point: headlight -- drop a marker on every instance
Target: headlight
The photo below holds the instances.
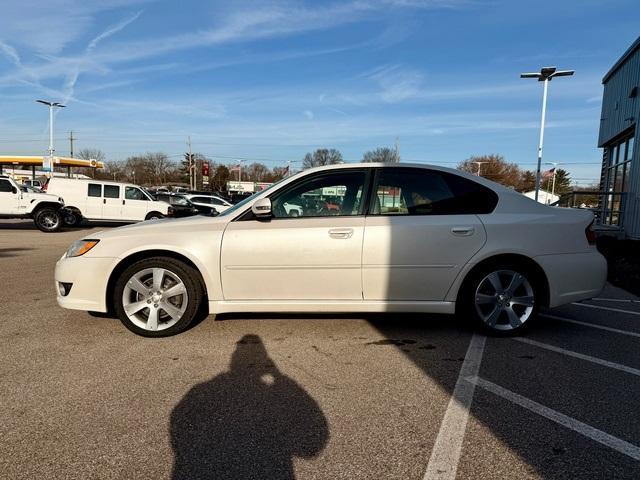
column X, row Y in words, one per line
column 81, row 247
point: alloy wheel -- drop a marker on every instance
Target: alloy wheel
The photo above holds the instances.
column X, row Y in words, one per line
column 504, row 300
column 154, row 299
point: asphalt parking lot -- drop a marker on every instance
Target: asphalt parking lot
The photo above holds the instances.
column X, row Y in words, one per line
column 309, row 397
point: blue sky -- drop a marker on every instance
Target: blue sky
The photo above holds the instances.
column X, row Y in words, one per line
column 271, row 80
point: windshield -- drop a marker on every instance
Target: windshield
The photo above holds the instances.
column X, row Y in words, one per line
column 250, row 198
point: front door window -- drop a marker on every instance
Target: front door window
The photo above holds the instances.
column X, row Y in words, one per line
column 328, row 194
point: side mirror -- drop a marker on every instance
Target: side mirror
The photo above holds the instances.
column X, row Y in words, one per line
column 14, row 189
column 262, row 208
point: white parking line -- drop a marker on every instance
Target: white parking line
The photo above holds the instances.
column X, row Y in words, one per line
column 599, row 361
column 619, row 310
column 588, row 431
column 622, row 300
column 445, row 455
column 591, row 325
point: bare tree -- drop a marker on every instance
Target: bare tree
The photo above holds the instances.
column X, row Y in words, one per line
column 256, row 172
column 322, row 156
column 384, row 154
column 91, row 154
column 494, row 167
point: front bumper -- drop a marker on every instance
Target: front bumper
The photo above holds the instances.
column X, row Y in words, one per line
column 574, row 277
column 89, row 277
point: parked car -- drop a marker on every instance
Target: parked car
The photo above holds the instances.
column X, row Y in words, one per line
column 45, row 210
column 182, row 207
column 210, row 201
column 239, row 197
column 292, row 209
column 447, row 242
column 33, row 183
column 28, row 189
column 105, row 201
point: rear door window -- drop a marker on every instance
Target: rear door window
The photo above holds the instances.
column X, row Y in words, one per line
column 111, row 191
column 414, row 191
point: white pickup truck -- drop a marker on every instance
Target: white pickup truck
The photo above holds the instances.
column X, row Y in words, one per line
column 46, row 210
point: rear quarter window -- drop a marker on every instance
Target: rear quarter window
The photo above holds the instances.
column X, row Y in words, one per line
column 469, row 197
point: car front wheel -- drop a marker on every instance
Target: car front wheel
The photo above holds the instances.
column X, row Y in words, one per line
column 501, row 300
column 157, row 297
column 48, row 219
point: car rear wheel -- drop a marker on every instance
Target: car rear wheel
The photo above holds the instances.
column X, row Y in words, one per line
column 502, row 300
column 71, row 219
column 157, row 297
column 154, row 216
column 48, row 219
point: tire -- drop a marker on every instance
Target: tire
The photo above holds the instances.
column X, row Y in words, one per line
column 71, row 219
column 294, row 213
column 48, row 219
column 140, row 288
column 501, row 300
column 154, row 216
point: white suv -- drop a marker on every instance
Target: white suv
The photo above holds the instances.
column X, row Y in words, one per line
column 105, row 201
column 46, row 210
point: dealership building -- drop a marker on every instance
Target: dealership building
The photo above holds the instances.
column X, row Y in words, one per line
column 619, row 131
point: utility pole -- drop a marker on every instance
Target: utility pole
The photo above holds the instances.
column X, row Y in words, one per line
column 71, row 139
column 240, row 170
column 191, row 182
column 397, row 149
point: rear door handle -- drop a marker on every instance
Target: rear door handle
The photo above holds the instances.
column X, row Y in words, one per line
column 341, row 233
column 463, row 231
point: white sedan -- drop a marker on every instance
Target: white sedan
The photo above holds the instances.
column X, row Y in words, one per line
column 404, row 238
column 203, row 200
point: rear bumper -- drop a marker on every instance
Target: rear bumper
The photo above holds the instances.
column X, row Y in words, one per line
column 574, row 277
column 89, row 278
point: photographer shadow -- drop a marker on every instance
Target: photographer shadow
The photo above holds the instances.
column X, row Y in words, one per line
column 246, row 423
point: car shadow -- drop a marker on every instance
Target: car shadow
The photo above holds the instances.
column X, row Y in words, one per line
column 248, row 422
column 13, row 252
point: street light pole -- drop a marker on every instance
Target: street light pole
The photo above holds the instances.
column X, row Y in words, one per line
column 51, row 106
column 479, row 165
column 545, row 75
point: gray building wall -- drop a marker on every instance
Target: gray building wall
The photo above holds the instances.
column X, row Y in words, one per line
column 620, row 115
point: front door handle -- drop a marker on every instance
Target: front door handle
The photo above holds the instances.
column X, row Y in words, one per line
column 463, row 231
column 341, row 233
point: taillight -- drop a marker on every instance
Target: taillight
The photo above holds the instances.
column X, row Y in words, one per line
column 590, row 234
column 44, row 187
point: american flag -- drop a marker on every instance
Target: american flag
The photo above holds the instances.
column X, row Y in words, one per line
column 548, row 174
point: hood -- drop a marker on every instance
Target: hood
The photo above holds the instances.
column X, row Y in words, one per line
column 41, row 197
column 193, row 224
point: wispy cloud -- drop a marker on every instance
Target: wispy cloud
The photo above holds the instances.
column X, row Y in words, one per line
column 11, row 53
column 269, row 21
column 397, row 83
column 50, row 26
column 72, row 79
